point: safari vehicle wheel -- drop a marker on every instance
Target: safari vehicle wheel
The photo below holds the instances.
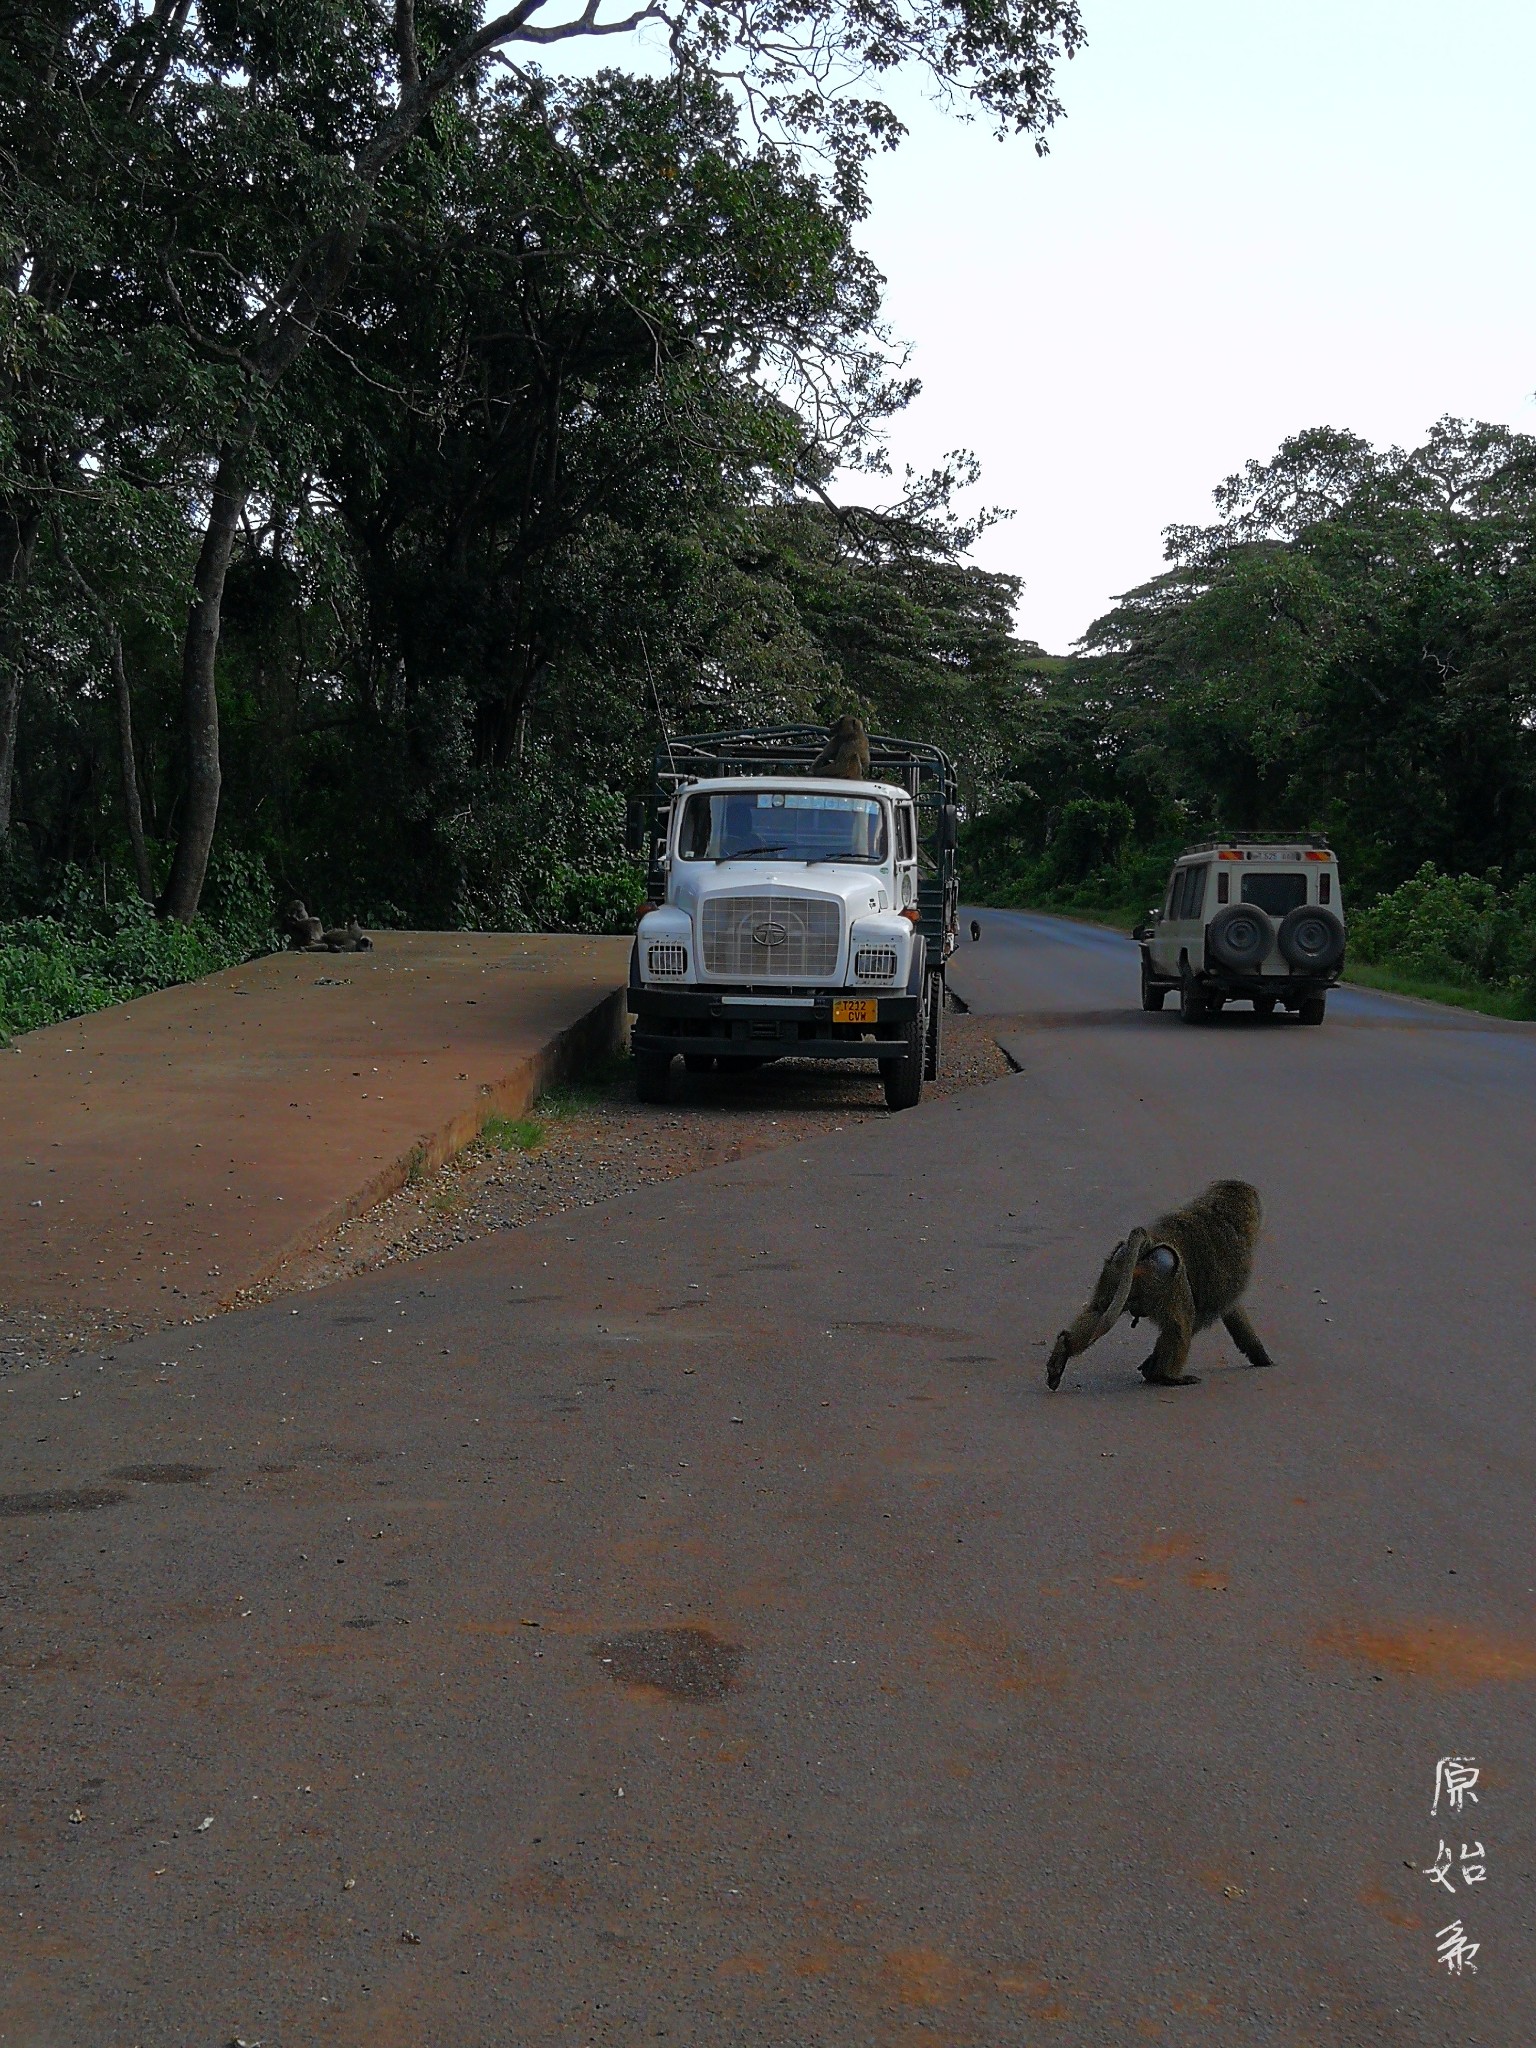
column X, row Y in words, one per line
column 1311, row 938
column 1313, row 1010
column 1263, row 1006
column 903, row 1077
column 1151, row 995
column 1239, row 937
column 1192, row 1007
column 653, row 1073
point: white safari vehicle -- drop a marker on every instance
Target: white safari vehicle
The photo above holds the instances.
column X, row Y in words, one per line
column 1257, row 918
column 794, row 915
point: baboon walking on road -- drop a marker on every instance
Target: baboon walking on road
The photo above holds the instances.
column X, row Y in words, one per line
column 1182, row 1272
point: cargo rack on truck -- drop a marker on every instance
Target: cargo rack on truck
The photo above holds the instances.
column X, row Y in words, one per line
column 926, row 773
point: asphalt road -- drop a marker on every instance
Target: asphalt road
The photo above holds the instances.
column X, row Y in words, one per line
column 1101, row 1717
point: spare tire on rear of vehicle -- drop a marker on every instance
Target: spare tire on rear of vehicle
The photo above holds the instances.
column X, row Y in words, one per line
column 1312, row 939
column 1239, row 937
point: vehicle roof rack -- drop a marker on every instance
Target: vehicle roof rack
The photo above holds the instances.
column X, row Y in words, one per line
column 1255, row 839
column 925, row 771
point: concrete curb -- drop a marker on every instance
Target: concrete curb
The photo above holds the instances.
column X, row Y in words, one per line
column 601, row 1031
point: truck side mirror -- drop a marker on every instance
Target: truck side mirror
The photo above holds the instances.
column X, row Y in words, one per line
column 637, row 827
column 949, row 828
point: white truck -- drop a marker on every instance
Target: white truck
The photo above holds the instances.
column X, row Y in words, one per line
column 794, row 915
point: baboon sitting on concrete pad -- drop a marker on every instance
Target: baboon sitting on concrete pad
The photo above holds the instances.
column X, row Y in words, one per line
column 1182, row 1272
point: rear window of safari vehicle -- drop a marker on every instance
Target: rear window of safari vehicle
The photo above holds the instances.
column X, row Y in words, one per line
column 1275, row 893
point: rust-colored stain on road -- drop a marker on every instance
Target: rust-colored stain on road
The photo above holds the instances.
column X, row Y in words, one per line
column 1445, row 1653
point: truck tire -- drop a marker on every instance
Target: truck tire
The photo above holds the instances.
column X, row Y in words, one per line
column 653, row 1074
column 903, row 1077
column 1239, row 937
column 1152, row 993
column 933, row 1043
column 1311, row 939
column 1312, row 1010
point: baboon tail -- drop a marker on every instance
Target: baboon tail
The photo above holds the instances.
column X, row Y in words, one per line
column 1103, row 1311
column 1134, row 1246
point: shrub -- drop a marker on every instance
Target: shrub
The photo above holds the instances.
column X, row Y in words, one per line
column 1091, row 834
column 85, row 953
column 1463, row 930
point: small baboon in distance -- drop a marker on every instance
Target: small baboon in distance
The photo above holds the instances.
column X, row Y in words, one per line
column 847, row 750
column 975, row 929
column 1181, row 1272
column 302, row 929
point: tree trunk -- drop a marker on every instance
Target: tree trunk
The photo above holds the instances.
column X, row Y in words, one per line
column 130, row 768
column 199, row 691
column 10, row 711
column 18, row 536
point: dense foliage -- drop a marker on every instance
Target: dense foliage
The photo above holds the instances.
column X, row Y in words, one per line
column 390, row 434
column 1348, row 649
column 86, row 950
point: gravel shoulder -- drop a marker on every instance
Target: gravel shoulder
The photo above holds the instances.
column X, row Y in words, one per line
column 583, row 1144
column 586, row 1144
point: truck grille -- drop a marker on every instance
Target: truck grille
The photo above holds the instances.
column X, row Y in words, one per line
column 778, row 938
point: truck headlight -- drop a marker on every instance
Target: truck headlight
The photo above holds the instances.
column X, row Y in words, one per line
column 666, row 957
column 876, row 963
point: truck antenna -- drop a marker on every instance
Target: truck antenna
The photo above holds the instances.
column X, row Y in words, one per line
column 666, row 737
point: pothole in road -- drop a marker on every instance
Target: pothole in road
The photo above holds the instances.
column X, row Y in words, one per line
column 684, row 1663
column 63, row 1500
column 164, row 1475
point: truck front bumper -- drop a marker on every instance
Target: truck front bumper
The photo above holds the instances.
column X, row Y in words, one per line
column 784, row 1024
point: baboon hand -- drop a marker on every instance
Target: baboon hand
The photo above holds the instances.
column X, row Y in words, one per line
column 1056, row 1365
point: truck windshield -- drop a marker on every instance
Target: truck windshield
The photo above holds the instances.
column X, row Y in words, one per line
column 781, row 824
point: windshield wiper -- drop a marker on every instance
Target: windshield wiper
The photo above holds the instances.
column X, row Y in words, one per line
column 749, row 853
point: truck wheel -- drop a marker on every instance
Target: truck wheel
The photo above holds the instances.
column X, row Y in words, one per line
column 933, row 1047
column 699, row 1062
column 653, row 1073
column 1151, row 995
column 903, row 1077
column 1312, row 1010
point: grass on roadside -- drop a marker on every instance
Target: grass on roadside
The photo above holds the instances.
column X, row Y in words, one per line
column 512, row 1133
column 606, row 1080
column 1488, row 1002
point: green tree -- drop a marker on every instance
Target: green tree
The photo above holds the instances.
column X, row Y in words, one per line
column 214, row 177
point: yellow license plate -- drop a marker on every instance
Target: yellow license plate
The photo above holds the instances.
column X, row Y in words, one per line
column 855, row 1010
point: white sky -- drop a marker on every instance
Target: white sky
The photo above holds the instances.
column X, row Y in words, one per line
column 1257, row 216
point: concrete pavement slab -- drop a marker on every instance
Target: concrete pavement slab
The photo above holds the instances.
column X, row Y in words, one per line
column 161, row 1157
